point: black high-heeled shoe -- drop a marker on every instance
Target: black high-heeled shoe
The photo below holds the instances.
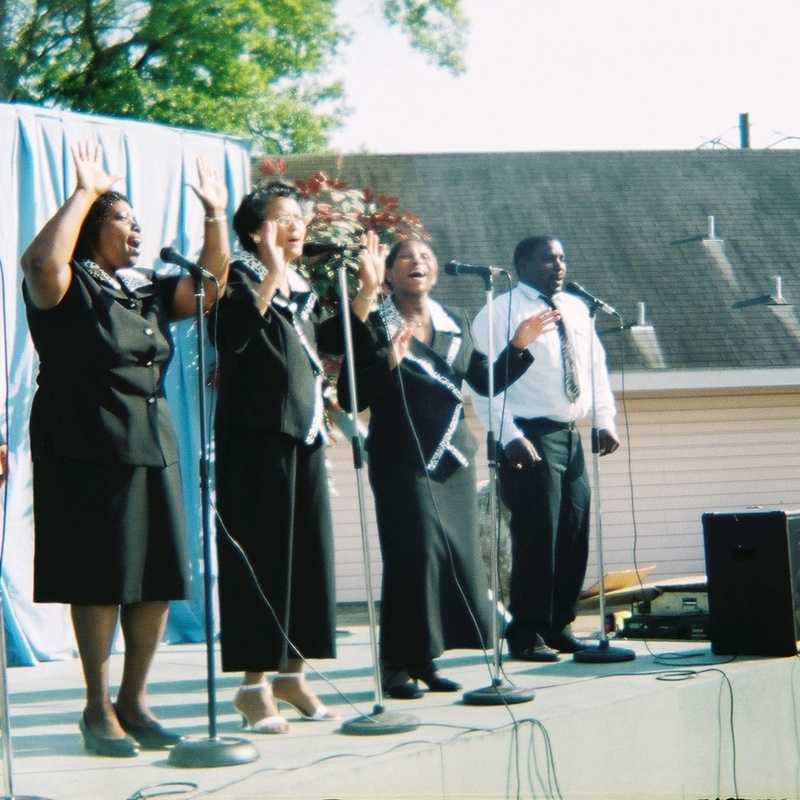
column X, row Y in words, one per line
column 429, row 675
column 397, row 685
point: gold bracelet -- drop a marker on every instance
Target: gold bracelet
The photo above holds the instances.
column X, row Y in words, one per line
column 220, row 218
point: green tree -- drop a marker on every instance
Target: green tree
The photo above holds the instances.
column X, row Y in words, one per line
column 253, row 67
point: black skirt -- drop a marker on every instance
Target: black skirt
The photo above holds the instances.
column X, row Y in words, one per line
column 272, row 494
column 108, row 534
column 434, row 594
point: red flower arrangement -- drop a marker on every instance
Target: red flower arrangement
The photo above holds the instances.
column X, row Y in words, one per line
column 339, row 214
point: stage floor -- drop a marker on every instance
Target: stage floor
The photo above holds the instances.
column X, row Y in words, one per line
column 660, row 726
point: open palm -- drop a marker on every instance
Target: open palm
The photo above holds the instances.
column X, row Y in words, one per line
column 210, row 188
column 92, row 176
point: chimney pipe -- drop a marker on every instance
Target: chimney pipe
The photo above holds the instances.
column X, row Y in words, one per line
column 711, row 227
column 744, row 131
column 641, row 315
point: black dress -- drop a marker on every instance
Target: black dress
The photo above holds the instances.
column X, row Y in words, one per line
column 107, row 502
column 271, row 480
column 434, row 594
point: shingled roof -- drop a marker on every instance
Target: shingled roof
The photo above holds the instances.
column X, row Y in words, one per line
column 635, row 229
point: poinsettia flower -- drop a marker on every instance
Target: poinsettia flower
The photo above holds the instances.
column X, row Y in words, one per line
column 281, row 166
column 267, row 167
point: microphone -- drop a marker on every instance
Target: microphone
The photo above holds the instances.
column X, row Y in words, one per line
column 457, row 268
column 579, row 291
column 312, row 249
column 171, row 256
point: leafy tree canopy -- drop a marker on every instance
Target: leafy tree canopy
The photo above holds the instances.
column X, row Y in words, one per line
column 255, row 67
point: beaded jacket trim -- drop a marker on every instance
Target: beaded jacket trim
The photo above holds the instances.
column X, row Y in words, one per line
column 297, row 283
column 131, row 278
column 443, row 322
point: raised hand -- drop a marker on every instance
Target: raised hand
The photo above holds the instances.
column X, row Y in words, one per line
column 534, row 326
column 371, row 263
column 92, row 177
column 271, row 254
column 401, row 342
column 210, row 188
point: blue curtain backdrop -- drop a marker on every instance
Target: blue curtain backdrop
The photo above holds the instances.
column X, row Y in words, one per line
column 36, row 176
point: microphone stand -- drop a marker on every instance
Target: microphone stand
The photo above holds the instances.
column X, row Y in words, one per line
column 215, row 750
column 602, row 652
column 380, row 721
column 499, row 692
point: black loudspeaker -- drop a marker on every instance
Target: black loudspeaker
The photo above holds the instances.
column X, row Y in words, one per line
column 752, row 563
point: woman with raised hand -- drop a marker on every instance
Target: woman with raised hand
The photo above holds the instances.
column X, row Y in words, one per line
column 272, row 485
column 107, row 502
column 411, row 364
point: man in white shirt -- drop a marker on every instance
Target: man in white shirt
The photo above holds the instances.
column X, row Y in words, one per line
column 542, row 471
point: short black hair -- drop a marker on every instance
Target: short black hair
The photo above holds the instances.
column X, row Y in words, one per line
column 395, row 250
column 523, row 252
column 89, row 234
column 252, row 211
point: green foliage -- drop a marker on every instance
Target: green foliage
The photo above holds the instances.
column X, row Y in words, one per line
column 252, row 67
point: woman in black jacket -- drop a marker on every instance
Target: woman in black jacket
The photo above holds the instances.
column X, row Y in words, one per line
column 107, row 501
column 413, row 356
column 272, row 484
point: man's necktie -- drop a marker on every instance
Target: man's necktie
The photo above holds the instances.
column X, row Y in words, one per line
column 571, row 388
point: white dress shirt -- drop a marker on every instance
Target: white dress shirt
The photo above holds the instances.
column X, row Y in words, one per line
column 540, row 391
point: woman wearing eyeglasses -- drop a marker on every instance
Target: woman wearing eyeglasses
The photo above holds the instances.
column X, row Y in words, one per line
column 272, row 485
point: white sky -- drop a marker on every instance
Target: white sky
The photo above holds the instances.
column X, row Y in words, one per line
column 578, row 75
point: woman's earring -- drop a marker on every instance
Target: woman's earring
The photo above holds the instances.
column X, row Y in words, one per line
column 256, row 238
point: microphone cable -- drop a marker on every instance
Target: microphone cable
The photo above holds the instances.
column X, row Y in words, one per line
column 445, row 539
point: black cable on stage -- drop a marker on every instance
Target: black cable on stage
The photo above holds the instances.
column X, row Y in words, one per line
column 668, row 659
column 463, row 730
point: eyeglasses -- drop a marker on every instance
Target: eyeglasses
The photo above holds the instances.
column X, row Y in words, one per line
column 285, row 220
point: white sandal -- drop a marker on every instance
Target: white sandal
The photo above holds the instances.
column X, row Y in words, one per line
column 275, row 723
column 320, row 713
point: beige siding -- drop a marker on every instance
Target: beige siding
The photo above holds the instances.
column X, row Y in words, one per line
column 689, row 454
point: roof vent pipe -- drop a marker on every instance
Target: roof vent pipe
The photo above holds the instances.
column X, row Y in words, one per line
column 712, row 234
column 641, row 317
column 744, row 131
column 777, row 294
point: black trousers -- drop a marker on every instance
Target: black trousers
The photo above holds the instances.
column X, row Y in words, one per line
column 549, row 506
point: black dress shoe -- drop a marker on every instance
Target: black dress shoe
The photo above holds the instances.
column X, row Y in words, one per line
column 107, row 745
column 432, row 679
column 396, row 684
column 565, row 642
column 538, row 650
column 152, row 736
column 404, row 691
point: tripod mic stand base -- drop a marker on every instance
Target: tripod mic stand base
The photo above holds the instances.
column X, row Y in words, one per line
column 499, row 693
column 221, row 751
column 602, row 653
column 379, row 723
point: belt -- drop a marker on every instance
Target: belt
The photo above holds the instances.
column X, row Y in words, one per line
column 543, row 423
